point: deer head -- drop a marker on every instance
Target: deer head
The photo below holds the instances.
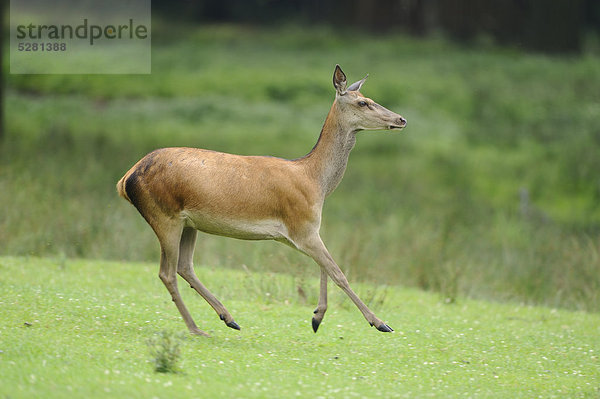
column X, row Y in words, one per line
column 360, row 112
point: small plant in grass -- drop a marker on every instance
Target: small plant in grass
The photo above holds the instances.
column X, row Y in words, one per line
column 165, row 352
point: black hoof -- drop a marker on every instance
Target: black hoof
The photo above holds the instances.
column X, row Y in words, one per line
column 385, row 328
column 315, row 324
column 231, row 324
column 234, row 325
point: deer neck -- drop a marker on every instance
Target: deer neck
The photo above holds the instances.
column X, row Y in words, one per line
column 328, row 159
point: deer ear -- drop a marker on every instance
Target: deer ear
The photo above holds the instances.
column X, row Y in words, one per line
column 339, row 81
column 357, row 85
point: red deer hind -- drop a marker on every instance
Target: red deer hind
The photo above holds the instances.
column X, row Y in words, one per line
column 181, row 190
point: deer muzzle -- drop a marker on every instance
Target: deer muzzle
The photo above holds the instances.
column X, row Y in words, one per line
column 398, row 123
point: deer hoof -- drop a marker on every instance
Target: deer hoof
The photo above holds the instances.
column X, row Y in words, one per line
column 230, row 324
column 197, row 331
column 315, row 324
column 384, row 328
column 234, row 325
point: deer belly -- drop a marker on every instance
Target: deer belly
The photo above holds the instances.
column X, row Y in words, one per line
column 262, row 229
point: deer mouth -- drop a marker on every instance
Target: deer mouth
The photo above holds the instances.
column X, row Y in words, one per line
column 400, row 123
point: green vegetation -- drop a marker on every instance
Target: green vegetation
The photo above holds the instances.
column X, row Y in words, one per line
column 165, row 352
column 74, row 328
column 491, row 192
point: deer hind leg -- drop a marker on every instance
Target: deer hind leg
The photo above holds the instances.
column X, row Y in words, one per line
column 169, row 238
column 322, row 305
column 185, row 268
column 313, row 246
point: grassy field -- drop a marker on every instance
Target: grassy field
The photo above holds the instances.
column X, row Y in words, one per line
column 491, row 192
column 81, row 329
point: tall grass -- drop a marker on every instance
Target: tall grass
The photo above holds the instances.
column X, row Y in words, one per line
column 437, row 206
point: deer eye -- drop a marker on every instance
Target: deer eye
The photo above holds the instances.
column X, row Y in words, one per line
column 362, row 103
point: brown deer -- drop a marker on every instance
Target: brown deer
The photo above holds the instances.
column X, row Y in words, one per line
column 181, row 190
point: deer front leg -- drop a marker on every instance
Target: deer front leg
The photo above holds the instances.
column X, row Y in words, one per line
column 315, row 248
column 322, row 305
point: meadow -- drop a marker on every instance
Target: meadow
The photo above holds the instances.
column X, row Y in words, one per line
column 81, row 328
column 491, row 192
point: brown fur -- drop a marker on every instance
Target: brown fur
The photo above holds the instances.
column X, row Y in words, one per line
column 220, row 185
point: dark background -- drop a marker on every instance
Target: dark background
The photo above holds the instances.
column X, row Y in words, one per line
column 549, row 26
column 558, row 26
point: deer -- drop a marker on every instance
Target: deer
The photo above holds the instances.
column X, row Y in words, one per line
column 180, row 191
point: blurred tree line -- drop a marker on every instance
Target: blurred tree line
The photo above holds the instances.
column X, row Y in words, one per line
column 555, row 26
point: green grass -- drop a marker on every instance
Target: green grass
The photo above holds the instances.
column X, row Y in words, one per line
column 435, row 207
column 165, row 352
column 75, row 328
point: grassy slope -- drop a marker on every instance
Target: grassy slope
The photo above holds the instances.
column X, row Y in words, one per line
column 90, row 321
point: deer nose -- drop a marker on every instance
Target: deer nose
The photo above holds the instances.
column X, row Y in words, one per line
column 401, row 122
